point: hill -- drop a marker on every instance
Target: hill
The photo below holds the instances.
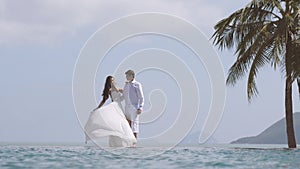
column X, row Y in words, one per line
column 275, row 134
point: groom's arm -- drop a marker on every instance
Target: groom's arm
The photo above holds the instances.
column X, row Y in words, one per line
column 140, row 96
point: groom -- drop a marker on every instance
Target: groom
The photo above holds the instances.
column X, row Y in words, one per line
column 134, row 101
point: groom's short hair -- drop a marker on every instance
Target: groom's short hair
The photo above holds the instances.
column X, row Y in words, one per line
column 130, row 72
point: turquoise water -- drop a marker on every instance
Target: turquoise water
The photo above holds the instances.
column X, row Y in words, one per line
column 218, row 156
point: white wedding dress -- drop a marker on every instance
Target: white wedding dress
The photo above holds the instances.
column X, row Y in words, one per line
column 110, row 121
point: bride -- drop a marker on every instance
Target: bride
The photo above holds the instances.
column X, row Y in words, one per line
column 110, row 120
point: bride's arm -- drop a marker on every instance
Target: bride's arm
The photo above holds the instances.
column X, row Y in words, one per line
column 121, row 95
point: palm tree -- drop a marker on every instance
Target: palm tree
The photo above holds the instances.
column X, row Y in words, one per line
column 264, row 32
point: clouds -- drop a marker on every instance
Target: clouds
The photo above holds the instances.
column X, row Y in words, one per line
column 36, row 21
column 50, row 21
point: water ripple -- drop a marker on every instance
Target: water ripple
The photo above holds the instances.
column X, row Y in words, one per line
column 180, row 157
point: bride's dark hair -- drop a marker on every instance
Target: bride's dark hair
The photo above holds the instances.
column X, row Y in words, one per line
column 106, row 90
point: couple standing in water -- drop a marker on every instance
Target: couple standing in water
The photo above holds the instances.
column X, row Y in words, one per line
column 120, row 125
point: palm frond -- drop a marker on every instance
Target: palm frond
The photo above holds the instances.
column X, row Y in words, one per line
column 295, row 61
column 263, row 57
column 260, row 33
column 231, row 30
column 245, row 56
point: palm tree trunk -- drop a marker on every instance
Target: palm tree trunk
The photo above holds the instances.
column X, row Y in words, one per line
column 298, row 81
column 288, row 96
column 289, row 114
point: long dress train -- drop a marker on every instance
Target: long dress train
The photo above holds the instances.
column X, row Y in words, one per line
column 110, row 121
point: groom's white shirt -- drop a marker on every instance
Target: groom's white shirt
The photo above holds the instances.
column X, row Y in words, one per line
column 133, row 94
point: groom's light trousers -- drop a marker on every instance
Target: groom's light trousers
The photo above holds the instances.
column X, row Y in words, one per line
column 131, row 114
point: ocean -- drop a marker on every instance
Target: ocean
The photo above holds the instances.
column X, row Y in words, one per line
column 192, row 156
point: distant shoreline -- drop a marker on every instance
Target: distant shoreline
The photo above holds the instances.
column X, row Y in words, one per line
column 275, row 134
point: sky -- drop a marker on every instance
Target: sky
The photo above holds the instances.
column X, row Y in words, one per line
column 40, row 42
